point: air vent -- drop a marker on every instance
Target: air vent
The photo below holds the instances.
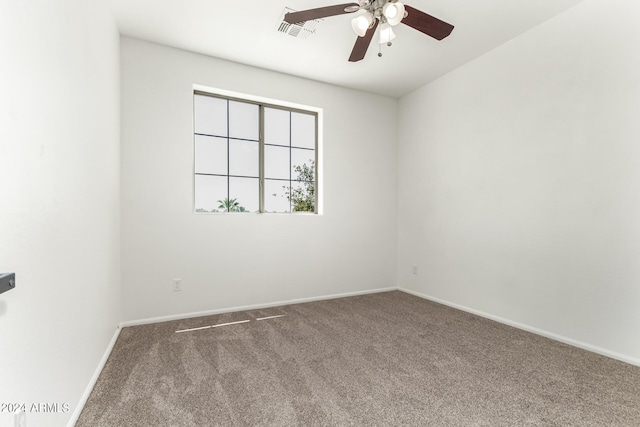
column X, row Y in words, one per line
column 301, row 30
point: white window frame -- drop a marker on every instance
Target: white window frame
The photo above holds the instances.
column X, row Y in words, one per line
column 263, row 102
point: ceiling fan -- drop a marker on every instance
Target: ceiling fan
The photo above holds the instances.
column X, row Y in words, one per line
column 386, row 13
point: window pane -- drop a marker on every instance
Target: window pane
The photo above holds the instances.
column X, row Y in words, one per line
column 246, row 192
column 244, row 120
column 244, row 157
column 210, row 115
column 305, row 160
column 211, row 155
column 303, row 130
column 235, row 172
column 276, row 162
column 275, row 196
column 209, row 189
column 303, row 196
column 276, row 126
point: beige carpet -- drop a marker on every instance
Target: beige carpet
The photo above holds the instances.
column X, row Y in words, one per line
column 386, row 359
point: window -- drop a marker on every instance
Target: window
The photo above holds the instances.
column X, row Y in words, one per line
column 253, row 157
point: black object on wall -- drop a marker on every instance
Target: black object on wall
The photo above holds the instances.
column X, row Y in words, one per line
column 7, row 282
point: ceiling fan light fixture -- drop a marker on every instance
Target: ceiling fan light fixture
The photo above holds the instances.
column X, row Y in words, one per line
column 376, row 13
column 394, row 12
column 386, row 33
column 361, row 24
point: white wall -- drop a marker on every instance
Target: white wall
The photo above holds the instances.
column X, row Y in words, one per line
column 59, row 199
column 235, row 260
column 519, row 176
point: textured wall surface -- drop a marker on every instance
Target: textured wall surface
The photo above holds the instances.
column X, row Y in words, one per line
column 518, row 180
column 227, row 260
column 59, row 213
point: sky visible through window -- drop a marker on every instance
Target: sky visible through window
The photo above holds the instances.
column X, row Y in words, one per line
column 227, row 157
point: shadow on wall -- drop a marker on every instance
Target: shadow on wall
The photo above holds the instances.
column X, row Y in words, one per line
column 3, row 308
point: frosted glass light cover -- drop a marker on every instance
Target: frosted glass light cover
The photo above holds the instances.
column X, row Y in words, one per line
column 386, row 33
column 394, row 12
column 361, row 24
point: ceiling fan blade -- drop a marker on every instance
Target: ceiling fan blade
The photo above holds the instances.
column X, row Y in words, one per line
column 321, row 12
column 427, row 24
column 362, row 44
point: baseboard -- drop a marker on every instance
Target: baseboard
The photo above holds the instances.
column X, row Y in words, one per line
column 249, row 307
column 553, row 336
column 547, row 334
column 94, row 379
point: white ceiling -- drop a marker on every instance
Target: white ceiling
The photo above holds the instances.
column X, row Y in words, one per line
column 245, row 32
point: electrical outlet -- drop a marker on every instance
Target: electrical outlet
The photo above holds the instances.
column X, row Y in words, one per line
column 20, row 419
column 414, row 270
column 177, row 285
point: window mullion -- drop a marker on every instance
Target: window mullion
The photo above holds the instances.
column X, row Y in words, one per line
column 290, row 165
column 315, row 172
column 228, row 161
column 261, row 160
